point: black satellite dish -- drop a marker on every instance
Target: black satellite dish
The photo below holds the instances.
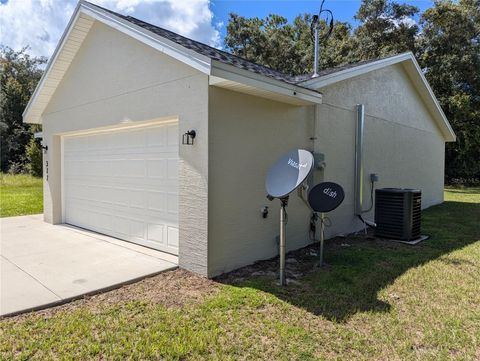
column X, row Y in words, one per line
column 286, row 175
column 323, row 198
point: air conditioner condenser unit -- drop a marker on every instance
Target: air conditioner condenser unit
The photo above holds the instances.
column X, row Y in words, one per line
column 398, row 213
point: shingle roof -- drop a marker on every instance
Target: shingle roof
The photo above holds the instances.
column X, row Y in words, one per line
column 227, row 58
column 209, row 51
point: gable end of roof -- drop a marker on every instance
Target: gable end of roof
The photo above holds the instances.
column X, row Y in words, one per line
column 335, row 75
column 195, row 54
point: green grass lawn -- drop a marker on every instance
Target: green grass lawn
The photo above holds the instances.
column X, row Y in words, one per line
column 20, row 194
column 374, row 300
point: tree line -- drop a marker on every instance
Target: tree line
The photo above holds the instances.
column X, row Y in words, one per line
column 445, row 41
column 20, row 152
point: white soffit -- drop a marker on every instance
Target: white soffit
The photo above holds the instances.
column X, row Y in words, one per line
column 415, row 74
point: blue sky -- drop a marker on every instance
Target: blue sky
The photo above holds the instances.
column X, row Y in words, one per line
column 202, row 20
column 343, row 10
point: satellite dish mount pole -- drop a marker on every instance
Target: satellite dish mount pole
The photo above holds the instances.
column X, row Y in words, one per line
column 322, row 236
column 285, row 176
column 316, row 48
column 283, row 229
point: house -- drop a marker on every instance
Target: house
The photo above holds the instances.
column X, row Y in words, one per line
column 118, row 95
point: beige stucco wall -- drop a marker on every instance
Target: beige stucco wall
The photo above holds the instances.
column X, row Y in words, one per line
column 402, row 144
column 247, row 134
column 115, row 78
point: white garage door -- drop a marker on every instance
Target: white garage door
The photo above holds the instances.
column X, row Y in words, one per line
column 124, row 184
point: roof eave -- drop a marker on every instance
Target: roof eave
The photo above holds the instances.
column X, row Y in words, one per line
column 321, row 81
column 229, row 76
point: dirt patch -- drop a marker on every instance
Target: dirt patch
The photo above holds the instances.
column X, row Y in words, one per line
column 171, row 289
column 298, row 263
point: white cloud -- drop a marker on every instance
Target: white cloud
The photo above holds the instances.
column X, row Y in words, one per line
column 405, row 20
column 39, row 24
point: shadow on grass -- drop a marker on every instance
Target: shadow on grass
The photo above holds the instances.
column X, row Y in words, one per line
column 358, row 268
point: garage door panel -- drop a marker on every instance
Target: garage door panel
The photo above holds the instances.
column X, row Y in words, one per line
column 157, row 168
column 125, row 184
column 172, row 240
column 172, row 136
column 157, row 138
column 172, row 170
column 172, row 203
column 138, row 199
column 155, row 232
column 156, row 201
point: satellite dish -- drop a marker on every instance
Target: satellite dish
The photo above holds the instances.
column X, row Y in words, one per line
column 325, row 197
column 288, row 173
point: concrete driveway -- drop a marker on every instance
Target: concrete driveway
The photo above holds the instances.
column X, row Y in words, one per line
column 43, row 264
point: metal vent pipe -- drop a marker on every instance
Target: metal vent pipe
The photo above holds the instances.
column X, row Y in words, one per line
column 359, row 126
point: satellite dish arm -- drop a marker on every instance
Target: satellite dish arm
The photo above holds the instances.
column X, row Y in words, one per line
column 303, row 193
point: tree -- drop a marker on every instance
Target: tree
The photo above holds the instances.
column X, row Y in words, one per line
column 450, row 55
column 285, row 47
column 34, row 157
column 19, row 75
column 386, row 28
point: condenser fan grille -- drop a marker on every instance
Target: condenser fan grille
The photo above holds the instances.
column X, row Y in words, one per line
column 398, row 213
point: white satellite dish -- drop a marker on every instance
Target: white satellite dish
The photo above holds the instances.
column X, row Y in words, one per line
column 286, row 175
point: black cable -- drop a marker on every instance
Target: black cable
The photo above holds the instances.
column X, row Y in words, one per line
column 371, row 197
column 327, row 222
column 316, row 22
column 313, row 226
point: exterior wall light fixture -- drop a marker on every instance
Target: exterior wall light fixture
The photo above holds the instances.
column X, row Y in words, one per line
column 188, row 137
